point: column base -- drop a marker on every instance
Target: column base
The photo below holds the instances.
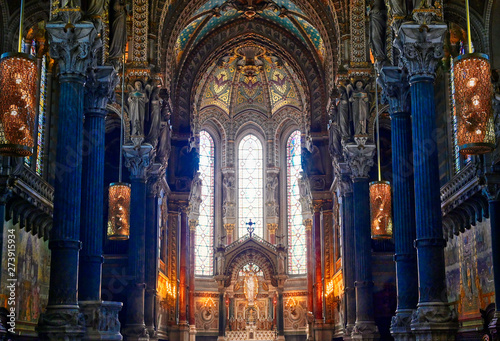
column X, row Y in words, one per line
column 280, row 338
column 365, row 330
column 192, row 333
column 183, row 331
column 434, row 321
column 323, row 331
column 101, row 319
column 61, row 322
column 348, row 331
column 221, row 338
column 401, row 325
column 494, row 327
column 135, row 332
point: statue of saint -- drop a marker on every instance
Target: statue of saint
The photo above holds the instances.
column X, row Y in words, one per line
column 344, row 112
column 360, row 106
column 251, row 287
column 118, row 30
column 378, row 26
column 137, row 99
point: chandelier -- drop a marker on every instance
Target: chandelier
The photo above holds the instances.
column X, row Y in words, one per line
column 473, row 96
column 380, row 196
column 18, row 86
column 119, row 192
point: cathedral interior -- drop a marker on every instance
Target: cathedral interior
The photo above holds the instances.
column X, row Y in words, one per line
column 249, row 170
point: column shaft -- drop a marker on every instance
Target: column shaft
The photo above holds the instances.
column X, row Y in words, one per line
column 192, row 240
column 280, row 324
column 310, row 267
column 64, row 240
column 151, row 258
column 494, row 210
column 362, row 240
column 349, row 260
column 318, row 269
column 222, row 313
column 183, row 268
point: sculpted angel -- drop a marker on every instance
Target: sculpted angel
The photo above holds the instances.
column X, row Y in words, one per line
column 137, row 99
column 358, row 96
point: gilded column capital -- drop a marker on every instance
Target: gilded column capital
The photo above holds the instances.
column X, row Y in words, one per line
column 396, row 89
column 100, row 88
column 272, row 227
column 229, row 228
column 137, row 160
column 193, row 223
column 317, row 205
column 308, row 223
column 72, row 45
column 359, row 159
column 421, row 48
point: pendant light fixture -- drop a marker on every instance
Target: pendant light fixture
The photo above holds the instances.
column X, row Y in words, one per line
column 119, row 192
column 473, row 100
column 380, row 195
column 18, row 84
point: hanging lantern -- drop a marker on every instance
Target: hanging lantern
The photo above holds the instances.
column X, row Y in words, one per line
column 18, row 78
column 380, row 207
column 473, row 96
column 119, row 211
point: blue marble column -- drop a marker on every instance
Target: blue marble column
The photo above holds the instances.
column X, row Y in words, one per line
column 492, row 192
column 72, row 49
column 99, row 89
column 137, row 161
column 421, row 49
column 360, row 159
column 397, row 92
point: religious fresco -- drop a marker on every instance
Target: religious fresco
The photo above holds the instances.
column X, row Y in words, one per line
column 33, row 276
column 469, row 274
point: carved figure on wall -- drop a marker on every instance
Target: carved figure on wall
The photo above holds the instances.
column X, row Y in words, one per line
column 137, row 99
column 344, row 112
column 118, row 30
column 251, row 287
column 334, row 133
column 378, row 26
column 398, row 8
column 229, row 188
column 154, row 116
column 360, row 106
column 271, row 185
column 195, row 194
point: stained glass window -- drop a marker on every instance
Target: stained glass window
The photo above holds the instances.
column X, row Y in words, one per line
column 205, row 229
column 296, row 230
column 250, row 185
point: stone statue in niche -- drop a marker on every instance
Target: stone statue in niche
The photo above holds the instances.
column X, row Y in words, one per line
column 378, row 26
column 195, row 194
column 154, row 116
column 118, row 30
column 137, row 99
column 344, row 111
column 360, row 102
column 229, row 188
column 334, row 132
column 271, row 185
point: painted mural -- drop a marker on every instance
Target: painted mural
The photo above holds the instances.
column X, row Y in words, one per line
column 469, row 273
column 33, row 276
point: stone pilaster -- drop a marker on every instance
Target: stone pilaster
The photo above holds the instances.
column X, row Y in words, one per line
column 344, row 190
column 359, row 158
column 193, row 224
column 492, row 192
column 138, row 162
column 99, row 90
column 421, row 49
column 397, row 92
column 229, row 203
column 271, row 202
column 71, row 44
column 318, row 266
column 152, row 229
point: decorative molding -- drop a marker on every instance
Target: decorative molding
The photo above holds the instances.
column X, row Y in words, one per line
column 359, row 159
column 396, row 89
column 100, row 88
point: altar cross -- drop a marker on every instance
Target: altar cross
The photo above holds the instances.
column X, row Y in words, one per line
column 250, row 227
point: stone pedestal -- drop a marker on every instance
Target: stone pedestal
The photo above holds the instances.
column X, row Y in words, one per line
column 101, row 320
column 192, row 333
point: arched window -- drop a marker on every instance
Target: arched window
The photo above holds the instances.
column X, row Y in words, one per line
column 250, row 185
column 205, row 229
column 296, row 231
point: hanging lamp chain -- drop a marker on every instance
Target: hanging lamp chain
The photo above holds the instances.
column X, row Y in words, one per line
column 21, row 17
column 469, row 37
column 121, row 121
column 378, row 132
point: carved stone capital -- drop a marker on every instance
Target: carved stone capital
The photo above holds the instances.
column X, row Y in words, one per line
column 273, row 227
column 137, row 160
column 193, row 223
column 100, row 88
column 360, row 159
column 421, row 48
column 72, row 46
column 491, row 188
column 396, row 89
column 229, row 228
column 308, row 223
